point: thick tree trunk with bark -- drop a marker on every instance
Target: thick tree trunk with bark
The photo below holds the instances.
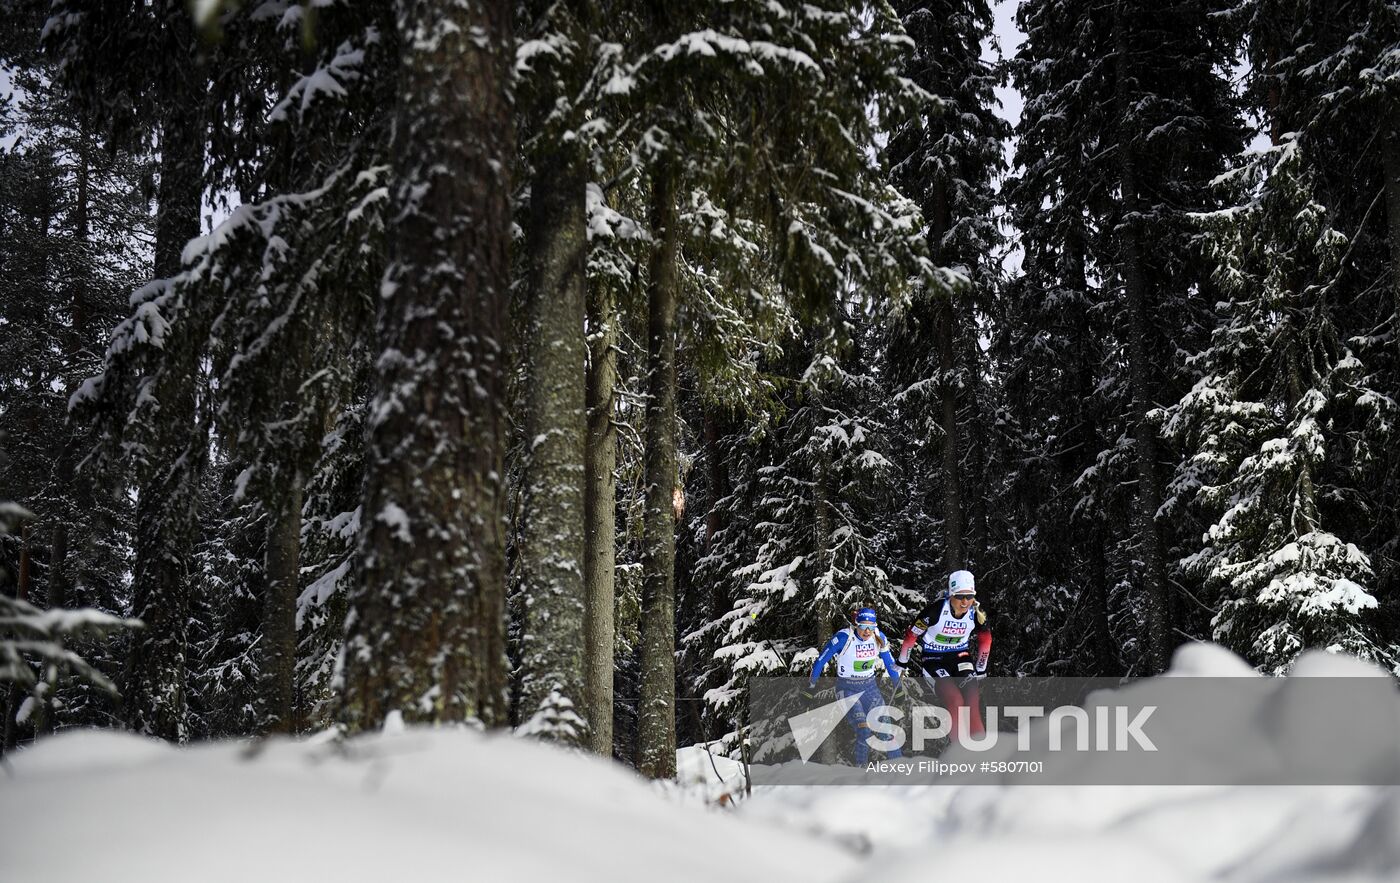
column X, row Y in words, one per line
column 279, row 625
column 656, row 730
column 1158, row 633
column 426, row 631
column 167, row 506
column 551, row 550
column 600, row 515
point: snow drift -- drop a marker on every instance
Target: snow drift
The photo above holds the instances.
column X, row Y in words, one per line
column 427, row 805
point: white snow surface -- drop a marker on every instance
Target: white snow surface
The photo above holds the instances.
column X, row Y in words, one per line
column 416, row 805
column 454, row 804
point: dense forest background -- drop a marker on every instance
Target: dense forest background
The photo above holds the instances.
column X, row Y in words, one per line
column 563, row 365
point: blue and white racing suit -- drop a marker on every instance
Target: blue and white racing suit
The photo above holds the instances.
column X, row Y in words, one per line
column 855, row 676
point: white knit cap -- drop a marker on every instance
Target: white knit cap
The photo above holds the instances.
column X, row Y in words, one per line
column 961, row 583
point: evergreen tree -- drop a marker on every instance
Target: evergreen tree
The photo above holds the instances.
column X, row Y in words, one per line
column 1126, row 121
column 751, row 78
column 946, row 159
column 1263, row 424
column 136, row 67
column 72, row 221
column 802, row 539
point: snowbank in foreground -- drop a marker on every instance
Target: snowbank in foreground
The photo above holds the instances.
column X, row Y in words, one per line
column 455, row 805
column 421, row 805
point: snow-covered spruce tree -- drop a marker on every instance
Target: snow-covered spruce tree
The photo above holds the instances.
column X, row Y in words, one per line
column 331, row 529
column 946, row 159
column 34, row 656
column 765, row 110
column 1127, row 119
column 282, row 292
column 33, row 652
column 1263, row 423
column 1332, row 75
column 1327, row 74
column 1347, row 70
column 275, row 300
column 425, row 632
column 12, row 515
column 135, row 68
column 292, row 276
column 1051, row 348
column 801, row 539
column 68, row 212
column 294, row 286
column 226, row 606
column 1350, row 75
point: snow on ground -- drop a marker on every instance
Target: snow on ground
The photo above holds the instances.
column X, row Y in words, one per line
column 428, row 805
column 422, row 805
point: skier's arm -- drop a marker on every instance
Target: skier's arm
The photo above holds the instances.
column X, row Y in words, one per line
column 890, row 667
column 834, row 646
column 918, row 628
column 983, row 640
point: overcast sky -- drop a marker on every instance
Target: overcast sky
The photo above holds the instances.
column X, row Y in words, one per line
column 1009, row 38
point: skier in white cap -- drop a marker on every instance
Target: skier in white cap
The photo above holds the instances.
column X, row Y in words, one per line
column 956, row 645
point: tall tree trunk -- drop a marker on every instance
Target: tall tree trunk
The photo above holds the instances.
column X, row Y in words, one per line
column 822, row 612
column 1088, row 442
column 167, row 506
column 945, row 339
column 976, row 532
column 600, row 514
column 954, row 551
column 1158, row 633
column 553, row 512
column 426, row 632
column 60, row 576
column 1096, row 589
column 1390, row 157
column 279, row 623
column 656, row 729
column 1096, row 581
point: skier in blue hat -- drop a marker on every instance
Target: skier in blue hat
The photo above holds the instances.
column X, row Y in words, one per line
column 856, row 649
